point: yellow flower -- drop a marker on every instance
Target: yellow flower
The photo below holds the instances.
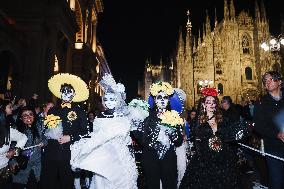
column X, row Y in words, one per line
column 51, row 121
column 161, row 86
column 72, row 116
column 171, row 118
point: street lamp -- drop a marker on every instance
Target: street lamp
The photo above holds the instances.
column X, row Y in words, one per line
column 273, row 44
column 79, row 44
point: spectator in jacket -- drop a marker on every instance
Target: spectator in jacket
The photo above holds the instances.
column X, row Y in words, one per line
column 265, row 111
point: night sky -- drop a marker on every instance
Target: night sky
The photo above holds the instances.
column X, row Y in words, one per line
column 131, row 31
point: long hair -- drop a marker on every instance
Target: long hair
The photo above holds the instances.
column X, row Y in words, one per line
column 4, row 126
column 23, row 128
column 202, row 115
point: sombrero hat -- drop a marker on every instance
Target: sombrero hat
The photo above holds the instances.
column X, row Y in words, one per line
column 80, row 87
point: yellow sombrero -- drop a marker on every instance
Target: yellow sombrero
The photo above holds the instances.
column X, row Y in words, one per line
column 80, row 87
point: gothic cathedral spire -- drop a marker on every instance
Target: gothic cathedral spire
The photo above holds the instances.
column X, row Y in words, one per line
column 188, row 36
column 257, row 12
column 232, row 10
column 215, row 19
column 208, row 26
column 263, row 12
column 226, row 10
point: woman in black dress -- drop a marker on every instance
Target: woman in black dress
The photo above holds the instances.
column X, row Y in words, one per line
column 214, row 164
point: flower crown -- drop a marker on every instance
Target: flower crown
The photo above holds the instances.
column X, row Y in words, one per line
column 161, row 86
column 108, row 82
column 209, row 92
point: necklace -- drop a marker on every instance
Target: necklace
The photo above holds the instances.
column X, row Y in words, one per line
column 211, row 117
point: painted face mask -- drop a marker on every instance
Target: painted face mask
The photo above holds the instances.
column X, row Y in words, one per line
column 162, row 100
column 67, row 94
column 110, row 100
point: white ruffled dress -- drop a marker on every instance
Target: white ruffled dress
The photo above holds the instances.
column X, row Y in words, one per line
column 107, row 155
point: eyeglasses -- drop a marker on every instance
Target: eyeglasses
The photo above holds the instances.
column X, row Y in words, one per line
column 27, row 115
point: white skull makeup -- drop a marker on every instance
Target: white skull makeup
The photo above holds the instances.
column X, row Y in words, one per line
column 162, row 100
column 110, row 101
column 67, row 94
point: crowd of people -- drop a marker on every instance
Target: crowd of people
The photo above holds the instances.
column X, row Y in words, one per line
column 143, row 144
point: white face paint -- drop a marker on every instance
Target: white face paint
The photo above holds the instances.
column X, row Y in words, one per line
column 162, row 100
column 110, row 100
column 67, row 94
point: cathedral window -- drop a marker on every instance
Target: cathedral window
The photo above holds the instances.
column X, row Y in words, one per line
column 220, row 88
column 246, row 44
column 248, row 72
column 218, row 68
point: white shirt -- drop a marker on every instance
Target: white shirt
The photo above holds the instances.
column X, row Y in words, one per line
column 21, row 140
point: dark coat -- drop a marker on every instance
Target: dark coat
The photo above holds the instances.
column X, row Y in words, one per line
column 75, row 128
column 264, row 113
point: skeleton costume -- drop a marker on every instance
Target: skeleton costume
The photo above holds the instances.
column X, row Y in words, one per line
column 56, row 169
column 106, row 152
column 159, row 160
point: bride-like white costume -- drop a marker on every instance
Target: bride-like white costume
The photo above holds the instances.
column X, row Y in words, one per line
column 106, row 152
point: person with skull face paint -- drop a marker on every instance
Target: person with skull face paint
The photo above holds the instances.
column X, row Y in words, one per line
column 159, row 160
column 56, row 168
column 106, row 152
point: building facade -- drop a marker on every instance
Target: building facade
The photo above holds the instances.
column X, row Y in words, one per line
column 41, row 38
column 227, row 57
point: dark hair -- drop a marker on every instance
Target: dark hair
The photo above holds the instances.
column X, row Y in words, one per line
column 67, row 87
column 192, row 110
column 228, row 99
column 276, row 76
column 91, row 112
column 4, row 130
column 22, row 127
column 4, row 104
column 4, row 126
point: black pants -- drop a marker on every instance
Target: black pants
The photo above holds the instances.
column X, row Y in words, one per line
column 156, row 169
column 56, row 175
column 276, row 170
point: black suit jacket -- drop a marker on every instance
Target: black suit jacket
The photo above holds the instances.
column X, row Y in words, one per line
column 74, row 123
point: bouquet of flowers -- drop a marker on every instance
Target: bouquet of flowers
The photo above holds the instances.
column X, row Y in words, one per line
column 53, row 127
column 171, row 119
column 137, row 111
